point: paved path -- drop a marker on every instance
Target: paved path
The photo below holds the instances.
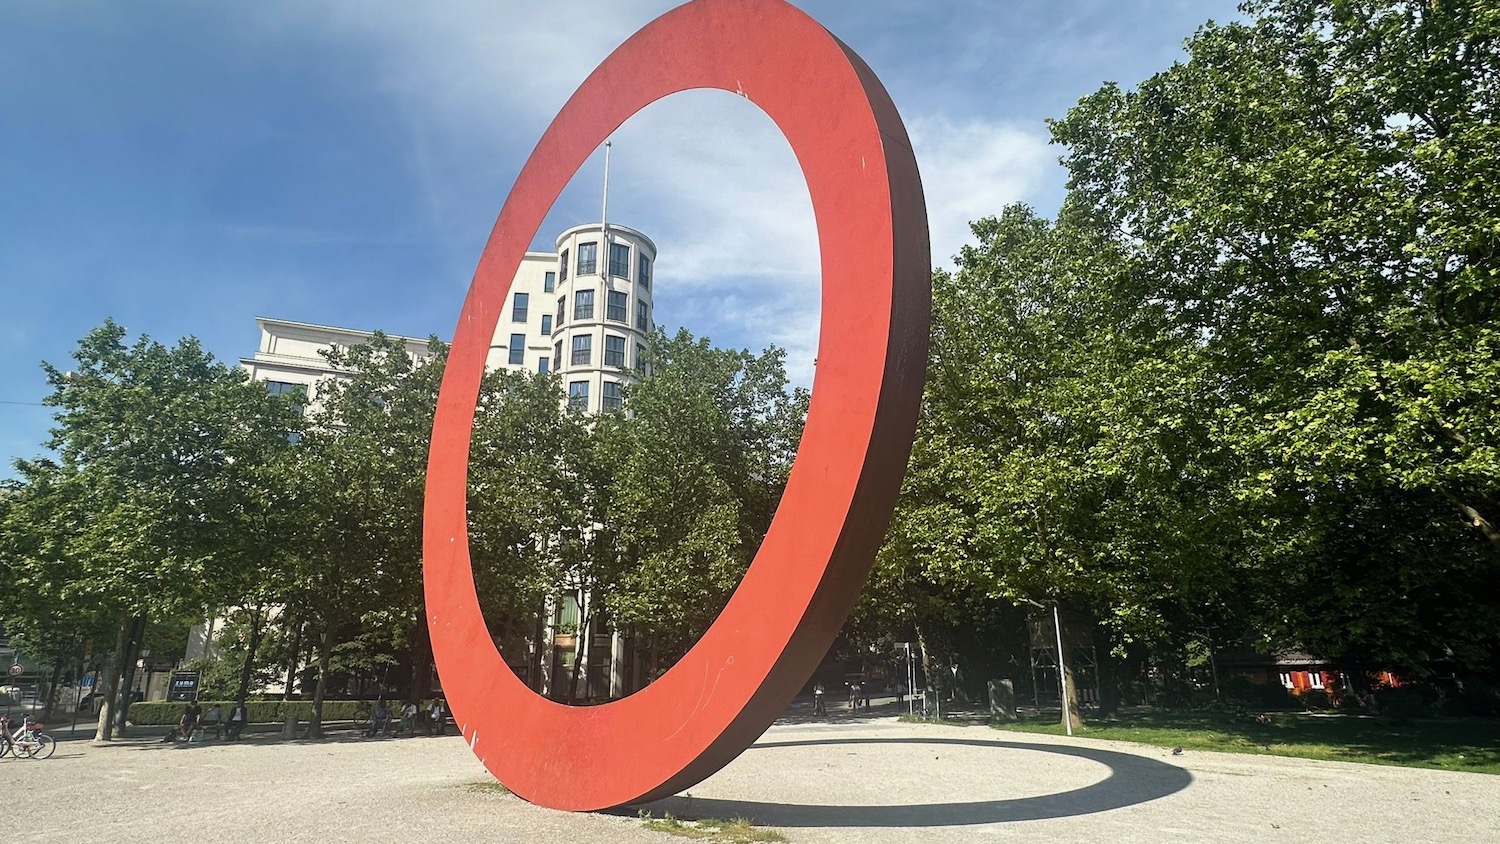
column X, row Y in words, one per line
column 876, row 780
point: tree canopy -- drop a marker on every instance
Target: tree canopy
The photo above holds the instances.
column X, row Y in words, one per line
column 1245, row 381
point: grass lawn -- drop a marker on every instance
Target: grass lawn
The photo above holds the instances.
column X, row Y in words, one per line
column 1469, row 744
column 737, row 831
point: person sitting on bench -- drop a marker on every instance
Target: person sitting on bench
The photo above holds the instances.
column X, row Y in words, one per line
column 191, row 716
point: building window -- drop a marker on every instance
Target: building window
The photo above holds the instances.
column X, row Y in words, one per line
column 611, row 399
column 281, row 388
column 517, row 348
column 619, row 259
column 640, row 357
column 578, row 395
column 549, row 282
column 521, row 307
column 542, row 364
column 583, row 305
column 619, row 304
column 588, row 259
column 298, row 392
column 614, row 351
column 644, row 272
column 640, row 316
column 546, row 323
column 564, row 266
column 583, row 349
column 557, row 352
column 562, row 301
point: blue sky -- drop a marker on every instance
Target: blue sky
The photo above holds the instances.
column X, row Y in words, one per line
column 184, row 167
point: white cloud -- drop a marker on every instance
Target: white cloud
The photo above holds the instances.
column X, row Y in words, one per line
column 705, row 174
column 973, row 168
column 481, row 61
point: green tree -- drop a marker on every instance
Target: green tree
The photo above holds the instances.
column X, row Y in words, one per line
column 1313, row 194
column 694, row 470
column 526, row 497
column 136, row 518
column 359, row 482
column 1061, row 457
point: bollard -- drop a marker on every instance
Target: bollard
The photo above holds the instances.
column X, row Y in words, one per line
column 289, row 727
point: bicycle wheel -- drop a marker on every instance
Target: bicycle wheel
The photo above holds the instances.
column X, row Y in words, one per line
column 37, row 747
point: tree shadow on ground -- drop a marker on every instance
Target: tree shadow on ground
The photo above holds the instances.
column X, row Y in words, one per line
column 1132, row 780
column 338, row 735
column 800, row 711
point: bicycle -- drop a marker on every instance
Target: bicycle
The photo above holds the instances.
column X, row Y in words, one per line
column 27, row 741
column 362, row 715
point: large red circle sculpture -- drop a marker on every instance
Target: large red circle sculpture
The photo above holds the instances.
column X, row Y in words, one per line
column 872, row 353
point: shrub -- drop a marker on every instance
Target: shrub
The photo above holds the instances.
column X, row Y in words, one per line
column 1474, row 697
column 1316, row 700
column 1402, row 703
column 168, row 713
column 1245, row 693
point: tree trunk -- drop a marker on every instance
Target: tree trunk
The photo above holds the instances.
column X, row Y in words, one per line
column 1474, row 518
column 926, row 660
column 1070, row 687
column 133, row 653
column 1358, row 684
column 421, row 658
column 325, row 653
column 51, row 698
column 294, row 656
column 583, row 647
column 1109, row 679
column 548, row 652
column 106, row 727
column 539, row 646
column 257, row 627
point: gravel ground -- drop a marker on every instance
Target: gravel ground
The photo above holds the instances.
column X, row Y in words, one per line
column 878, row 780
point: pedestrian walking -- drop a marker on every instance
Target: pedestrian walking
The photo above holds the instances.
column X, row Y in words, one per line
column 818, row 706
column 237, row 718
column 437, row 718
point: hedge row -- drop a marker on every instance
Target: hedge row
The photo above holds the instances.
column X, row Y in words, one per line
column 260, row 711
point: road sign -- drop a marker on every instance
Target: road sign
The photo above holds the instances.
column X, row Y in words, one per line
column 16, row 669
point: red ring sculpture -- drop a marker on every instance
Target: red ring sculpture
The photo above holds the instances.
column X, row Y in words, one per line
column 872, row 354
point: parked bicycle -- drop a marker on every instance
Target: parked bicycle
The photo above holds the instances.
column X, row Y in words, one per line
column 26, row 741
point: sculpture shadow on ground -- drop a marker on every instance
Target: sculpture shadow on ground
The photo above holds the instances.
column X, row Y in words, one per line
column 1132, row 780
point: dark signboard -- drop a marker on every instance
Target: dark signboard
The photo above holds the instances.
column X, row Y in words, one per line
column 184, row 685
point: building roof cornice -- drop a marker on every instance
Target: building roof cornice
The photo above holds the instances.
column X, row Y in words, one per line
column 267, row 322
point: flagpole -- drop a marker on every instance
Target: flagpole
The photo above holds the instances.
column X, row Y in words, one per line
column 604, row 217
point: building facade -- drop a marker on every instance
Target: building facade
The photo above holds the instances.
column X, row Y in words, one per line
column 584, row 312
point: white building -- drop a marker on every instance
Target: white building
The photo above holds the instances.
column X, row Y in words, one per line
column 584, row 312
